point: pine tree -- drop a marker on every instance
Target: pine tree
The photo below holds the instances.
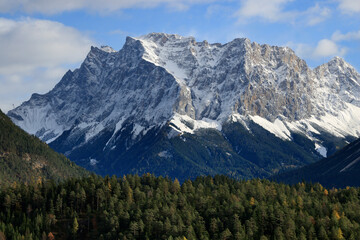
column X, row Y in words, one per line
column 75, row 226
column 226, row 234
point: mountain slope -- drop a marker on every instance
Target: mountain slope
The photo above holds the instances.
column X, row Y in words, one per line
column 339, row 170
column 25, row 158
column 122, row 111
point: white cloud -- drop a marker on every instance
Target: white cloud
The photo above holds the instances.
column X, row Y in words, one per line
column 338, row 36
column 31, row 43
column 218, row 10
column 327, row 48
column 324, row 48
column 316, row 14
column 349, row 6
column 58, row 6
column 34, row 56
column 271, row 10
column 275, row 11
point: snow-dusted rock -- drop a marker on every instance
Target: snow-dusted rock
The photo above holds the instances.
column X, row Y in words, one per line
column 164, row 79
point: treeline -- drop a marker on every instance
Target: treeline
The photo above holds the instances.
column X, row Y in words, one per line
column 150, row 207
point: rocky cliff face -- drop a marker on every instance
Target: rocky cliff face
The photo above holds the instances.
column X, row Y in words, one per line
column 240, row 77
column 168, row 81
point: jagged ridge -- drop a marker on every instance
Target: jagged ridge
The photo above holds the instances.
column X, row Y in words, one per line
column 161, row 80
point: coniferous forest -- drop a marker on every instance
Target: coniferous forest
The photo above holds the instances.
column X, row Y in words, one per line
column 149, row 207
column 25, row 158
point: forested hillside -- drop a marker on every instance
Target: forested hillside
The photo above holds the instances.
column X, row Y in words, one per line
column 339, row 170
column 25, row 158
column 149, row 207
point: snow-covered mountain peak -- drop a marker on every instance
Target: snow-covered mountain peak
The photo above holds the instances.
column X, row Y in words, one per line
column 336, row 64
column 340, row 78
column 162, row 38
column 160, row 79
column 98, row 55
column 171, row 49
column 107, row 49
column 337, row 60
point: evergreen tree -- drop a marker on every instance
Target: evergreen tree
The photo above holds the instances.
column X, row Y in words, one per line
column 75, row 226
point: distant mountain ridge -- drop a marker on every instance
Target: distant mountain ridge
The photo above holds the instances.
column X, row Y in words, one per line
column 339, row 170
column 24, row 158
column 113, row 112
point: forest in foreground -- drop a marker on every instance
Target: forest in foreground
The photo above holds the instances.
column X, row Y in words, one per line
column 149, row 207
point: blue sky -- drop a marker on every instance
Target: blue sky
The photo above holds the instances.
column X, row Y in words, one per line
column 41, row 39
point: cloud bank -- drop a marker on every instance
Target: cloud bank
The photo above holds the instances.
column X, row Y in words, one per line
column 271, row 10
column 275, row 11
column 34, row 55
column 58, row 6
column 328, row 48
column 349, row 6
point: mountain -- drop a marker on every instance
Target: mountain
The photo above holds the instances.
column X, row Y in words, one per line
column 25, row 158
column 169, row 105
column 339, row 170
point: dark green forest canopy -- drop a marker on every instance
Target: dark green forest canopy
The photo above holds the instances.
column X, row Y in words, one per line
column 25, row 158
column 150, row 207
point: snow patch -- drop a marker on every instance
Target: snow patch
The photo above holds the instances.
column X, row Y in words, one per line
column 98, row 127
column 107, row 49
column 137, row 130
column 342, row 124
column 164, row 154
column 51, row 139
column 235, row 117
column 93, row 161
column 36, row 119
column 186, row 124
column 321, row 149
column 174, row 69
column 277, row 127
column 117, row 128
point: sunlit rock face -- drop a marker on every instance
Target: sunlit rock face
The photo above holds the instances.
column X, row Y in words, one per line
column 160, row 81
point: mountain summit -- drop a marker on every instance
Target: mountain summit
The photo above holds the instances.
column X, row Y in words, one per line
column 170, row 105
